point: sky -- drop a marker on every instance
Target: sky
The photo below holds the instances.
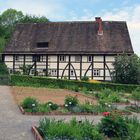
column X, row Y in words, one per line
column 85, row 10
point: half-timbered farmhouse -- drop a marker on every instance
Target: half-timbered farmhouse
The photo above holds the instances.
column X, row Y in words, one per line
column 68, row 49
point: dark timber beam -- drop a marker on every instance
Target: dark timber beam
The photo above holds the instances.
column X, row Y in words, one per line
column 80, row 66
column 104, row 67
column 14, row 63
column 69, row 67
column 24, row 62
column 92, row 67
column 57, row 66
column 3, row 57
column 35, row 66
column 46, row 73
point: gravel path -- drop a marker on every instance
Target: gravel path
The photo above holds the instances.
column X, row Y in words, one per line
column 15, row 126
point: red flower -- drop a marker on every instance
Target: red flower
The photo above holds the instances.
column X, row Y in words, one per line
column 106, row 113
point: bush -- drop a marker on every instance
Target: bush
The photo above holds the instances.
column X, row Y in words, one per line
column 52, row 106
column 73, row 130
column 71, row 101
column 29, row 103
column 114, row 125
column 134, row 128
column 85, row 78
column 87, row 107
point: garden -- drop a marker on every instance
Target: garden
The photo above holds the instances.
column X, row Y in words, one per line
column 113, row 126
column 39, row 101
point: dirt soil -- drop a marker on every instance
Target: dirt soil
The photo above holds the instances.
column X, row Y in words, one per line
column 44, row 95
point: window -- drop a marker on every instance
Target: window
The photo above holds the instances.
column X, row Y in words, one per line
column 10, row 71
column 89, row 58
column 72, row 73
column 53, row 72
column 38, row 58
column 77, row 58
column 42, row 45
column 16, row 58
column 32, row 71
column 96, row 72
column 62, row 58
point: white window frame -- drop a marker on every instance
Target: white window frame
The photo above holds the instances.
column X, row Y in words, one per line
column 62, row 58
column 89, row 58
column 17, row 57
column 53, row 72
column 77, row 58
column 71, row 72
column 96, row 72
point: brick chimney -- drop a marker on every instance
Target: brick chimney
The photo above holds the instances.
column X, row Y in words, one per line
column 100, row 28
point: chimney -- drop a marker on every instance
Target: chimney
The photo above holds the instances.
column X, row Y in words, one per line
column 100, row 29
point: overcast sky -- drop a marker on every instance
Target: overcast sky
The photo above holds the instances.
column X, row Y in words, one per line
column 62, row 10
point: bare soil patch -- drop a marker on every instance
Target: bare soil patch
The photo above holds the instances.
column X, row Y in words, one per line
column 45, row 94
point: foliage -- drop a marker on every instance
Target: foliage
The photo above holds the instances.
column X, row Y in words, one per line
column 3, row 69
column 64, row 84
column 73, row 130
column 114, row 125
column 10, row 18
column 52, row 105
column 71, row 101
column 134, row 128
column 30, row 103
column 85, row 78
column 34, row 19
column 87, row 107
column 136, row 94
column 127, row 69
column 133, row 108
column 108, row 96
column 25, row 69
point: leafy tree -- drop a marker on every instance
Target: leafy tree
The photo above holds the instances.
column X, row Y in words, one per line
column 33, row 19
column 127, row 69
column 8, row 21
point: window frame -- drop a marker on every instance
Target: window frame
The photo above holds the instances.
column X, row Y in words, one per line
column 96, row 72
column 53, row 72
column 71, row 73
column 62, row 58
column 89, row 60
column 77, row 58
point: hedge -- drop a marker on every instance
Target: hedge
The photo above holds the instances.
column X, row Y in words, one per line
column 4, row 79
column 33, row 81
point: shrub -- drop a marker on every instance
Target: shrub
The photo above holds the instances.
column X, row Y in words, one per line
column 73, row 130
column 114, row 125
column 134, row 128
column 85, row 78
column 29, row 103
column 52, row 105
column 71, row 101
column 87, row 107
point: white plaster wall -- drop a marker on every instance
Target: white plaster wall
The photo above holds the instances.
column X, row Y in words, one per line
column 98, row 58
column 110, row 58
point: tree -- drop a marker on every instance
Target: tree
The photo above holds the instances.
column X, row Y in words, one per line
column 8, row 21
column 127, row 69
column 33, row 19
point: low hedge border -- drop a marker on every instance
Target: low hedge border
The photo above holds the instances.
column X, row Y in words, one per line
column 4, row 79
column 35, row 81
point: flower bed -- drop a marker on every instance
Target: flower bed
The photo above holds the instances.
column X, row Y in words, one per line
column 112, row 126
column 30, row 106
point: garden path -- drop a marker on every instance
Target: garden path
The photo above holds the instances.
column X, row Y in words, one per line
column 15, row 126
